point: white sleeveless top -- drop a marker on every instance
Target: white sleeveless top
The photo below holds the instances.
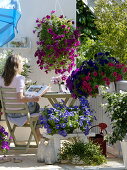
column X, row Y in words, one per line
column 18, row 83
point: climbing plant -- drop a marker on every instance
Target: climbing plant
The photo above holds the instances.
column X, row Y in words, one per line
column 85, row 21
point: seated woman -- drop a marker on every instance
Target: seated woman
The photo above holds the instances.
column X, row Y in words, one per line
column 12, row 78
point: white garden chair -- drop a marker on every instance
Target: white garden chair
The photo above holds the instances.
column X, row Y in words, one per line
column 10, row 106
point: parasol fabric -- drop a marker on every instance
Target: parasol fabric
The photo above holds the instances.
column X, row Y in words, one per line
column 10, row 14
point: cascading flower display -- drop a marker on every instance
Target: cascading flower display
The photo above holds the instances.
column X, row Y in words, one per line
column 63, row 120
column 4, row 144
column 84, row 81
column 57, row 43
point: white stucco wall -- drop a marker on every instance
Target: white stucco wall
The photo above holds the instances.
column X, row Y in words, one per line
column 31, row 10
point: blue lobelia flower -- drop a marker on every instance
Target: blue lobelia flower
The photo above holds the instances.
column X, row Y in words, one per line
column 63, row 133
column 63, row 125
column 57, row 126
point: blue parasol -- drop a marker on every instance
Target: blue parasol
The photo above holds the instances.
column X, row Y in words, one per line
column 10, row 13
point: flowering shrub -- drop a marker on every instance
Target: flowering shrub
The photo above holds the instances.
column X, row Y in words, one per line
column 63, row 120
column 4, row 144
column 86, row 79
column 57, row 44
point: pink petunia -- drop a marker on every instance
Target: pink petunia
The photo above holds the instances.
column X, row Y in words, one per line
column 48, row 17
column 87, row 78
column 95, row 73
column 63, row 26
column 119, row 65
column 125, row 69
column 96, row 87
column 52, row 12
column 107, row 83
column 106, row 79
column 115, row 74
column 102, row 73
column 111, row 64
column 119, row 77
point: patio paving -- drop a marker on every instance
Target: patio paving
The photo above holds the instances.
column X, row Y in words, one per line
column 29, row 162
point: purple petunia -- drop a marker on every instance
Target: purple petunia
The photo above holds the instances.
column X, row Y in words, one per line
column 4, row 144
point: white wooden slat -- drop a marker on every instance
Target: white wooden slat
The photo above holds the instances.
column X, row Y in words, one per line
column 16, row 111
column 9, row 95
column 102, row 117
column 14, row 106
column 10, row 100
column 8, row 89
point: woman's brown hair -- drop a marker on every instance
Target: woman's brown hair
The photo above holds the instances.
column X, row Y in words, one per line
column 10, row 69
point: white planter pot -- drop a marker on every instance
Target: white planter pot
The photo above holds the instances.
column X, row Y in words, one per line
column 121, row 85
column 64, row 88
column 111, row 88
column 124, row 152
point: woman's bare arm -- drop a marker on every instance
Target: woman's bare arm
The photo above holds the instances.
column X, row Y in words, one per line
column 26, row 99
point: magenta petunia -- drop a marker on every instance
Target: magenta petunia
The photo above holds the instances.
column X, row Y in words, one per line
column 52, row 12
column 48, row 16
column 95, row 73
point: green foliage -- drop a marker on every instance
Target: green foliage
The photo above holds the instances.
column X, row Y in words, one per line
column 89, row 47
column 117, row 109
column 89, row 153
column 26, row 70
column 111, row 21
column 85, row 20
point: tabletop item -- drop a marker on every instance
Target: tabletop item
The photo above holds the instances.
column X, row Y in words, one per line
column 36, row 90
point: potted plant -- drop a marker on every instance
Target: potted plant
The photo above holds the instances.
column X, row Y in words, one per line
column 63, row 120
column 102, row 70
column 60, row 81
column 78, row 152
column 116, row 107
column 57, row 43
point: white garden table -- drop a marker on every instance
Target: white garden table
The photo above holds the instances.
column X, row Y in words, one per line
column 53, row 98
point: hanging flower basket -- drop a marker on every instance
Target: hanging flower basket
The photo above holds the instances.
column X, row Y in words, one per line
column 103, row 70
column 57, row 43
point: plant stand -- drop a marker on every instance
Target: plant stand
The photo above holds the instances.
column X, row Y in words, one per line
column 53, row 148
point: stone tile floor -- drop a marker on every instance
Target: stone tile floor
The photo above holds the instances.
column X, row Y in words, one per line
column 29, row 162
